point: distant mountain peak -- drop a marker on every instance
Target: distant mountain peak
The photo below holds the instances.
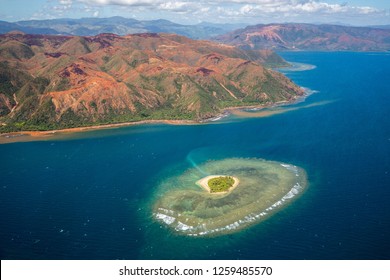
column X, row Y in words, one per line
column 304, row 36
column 16, row 32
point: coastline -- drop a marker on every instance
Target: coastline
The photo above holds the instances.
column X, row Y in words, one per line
column 203, row 183
column 28, row 136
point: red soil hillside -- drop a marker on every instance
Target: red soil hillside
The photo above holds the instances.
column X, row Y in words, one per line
column 49, row 82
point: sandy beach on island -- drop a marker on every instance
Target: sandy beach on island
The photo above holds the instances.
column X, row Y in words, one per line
column 203, row 183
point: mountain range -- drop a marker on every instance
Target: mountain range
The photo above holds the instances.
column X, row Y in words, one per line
column 116, row 25
column 296, row 36
column 285, row 36
column 51, row 82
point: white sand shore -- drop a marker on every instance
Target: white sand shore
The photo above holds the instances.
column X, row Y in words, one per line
column 204, row 183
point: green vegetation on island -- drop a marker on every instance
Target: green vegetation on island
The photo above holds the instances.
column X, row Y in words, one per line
column 220, row 184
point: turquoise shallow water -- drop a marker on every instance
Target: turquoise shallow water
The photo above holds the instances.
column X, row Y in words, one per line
column 90, row 196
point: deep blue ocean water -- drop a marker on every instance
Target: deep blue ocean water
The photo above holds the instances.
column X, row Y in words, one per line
column 89, row 196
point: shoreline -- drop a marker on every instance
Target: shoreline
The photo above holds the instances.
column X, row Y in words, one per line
column 29, row 136
column 204, row 184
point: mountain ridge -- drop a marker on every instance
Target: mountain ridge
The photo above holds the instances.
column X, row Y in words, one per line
column 311, row 37
column 118, row 25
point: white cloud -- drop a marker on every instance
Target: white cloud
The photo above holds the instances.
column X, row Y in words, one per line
column 296, row 10
column 123, row 2
column 302, row 7
column 367, row 10
column 245, row 6
column 66, row 2
column 229, row 10
column 175, row 6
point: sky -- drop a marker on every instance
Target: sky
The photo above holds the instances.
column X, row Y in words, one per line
column 353, row 12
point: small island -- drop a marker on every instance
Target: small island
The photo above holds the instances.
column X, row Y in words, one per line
column 218, row 184
column 239, row 193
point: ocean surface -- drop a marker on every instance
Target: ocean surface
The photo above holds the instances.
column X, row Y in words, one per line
column 90, row 195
